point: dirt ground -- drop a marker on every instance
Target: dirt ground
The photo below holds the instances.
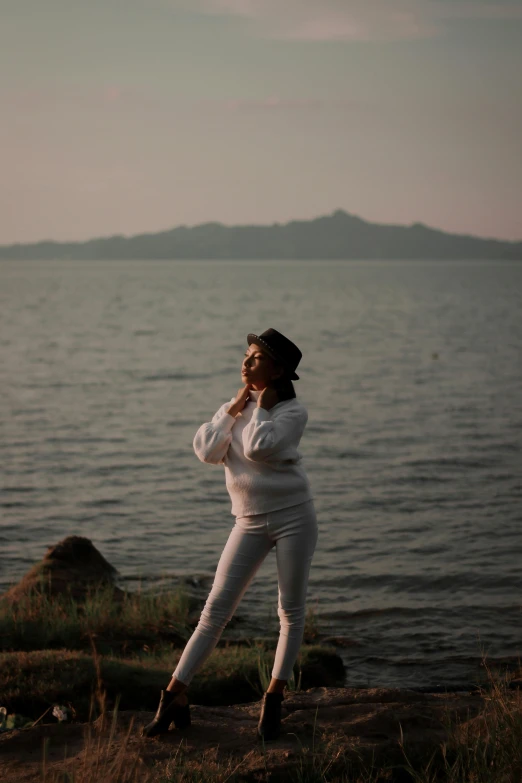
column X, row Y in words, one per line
column 353, row 722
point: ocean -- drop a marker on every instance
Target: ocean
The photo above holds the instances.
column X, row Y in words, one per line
column 412, row 377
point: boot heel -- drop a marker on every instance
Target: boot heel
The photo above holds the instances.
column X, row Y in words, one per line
column 181, row 716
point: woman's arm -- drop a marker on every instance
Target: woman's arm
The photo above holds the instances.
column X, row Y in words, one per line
column 264, row 436
column 213, row 438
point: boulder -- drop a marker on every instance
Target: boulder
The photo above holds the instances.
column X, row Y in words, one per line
column 73, row 565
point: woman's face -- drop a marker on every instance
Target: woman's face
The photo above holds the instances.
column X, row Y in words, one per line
column 259, row 368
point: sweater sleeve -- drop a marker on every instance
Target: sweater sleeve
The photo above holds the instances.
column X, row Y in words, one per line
column 264, row 436
column 213, row 438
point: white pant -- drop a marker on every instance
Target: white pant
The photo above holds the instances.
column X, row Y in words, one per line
column 293, row 531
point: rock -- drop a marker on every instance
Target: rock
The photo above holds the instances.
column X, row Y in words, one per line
column 344, row 725
column 73, row 564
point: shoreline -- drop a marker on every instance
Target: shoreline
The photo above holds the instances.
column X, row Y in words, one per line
column 88, row 660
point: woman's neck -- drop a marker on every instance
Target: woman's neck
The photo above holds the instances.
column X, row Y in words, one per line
column 254, row 393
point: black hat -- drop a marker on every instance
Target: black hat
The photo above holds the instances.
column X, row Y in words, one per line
column 279, row 348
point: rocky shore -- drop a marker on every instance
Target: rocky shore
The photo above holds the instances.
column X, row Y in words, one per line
column 75, row 713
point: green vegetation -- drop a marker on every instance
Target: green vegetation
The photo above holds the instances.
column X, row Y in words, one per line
column 100, row 656
column 31, row 681
column 51, row 646
column 140, row 620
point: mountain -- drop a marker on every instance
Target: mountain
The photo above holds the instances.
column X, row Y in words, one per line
column 336, row 236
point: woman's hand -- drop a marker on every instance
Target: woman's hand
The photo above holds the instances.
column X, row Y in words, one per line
column 268, row 398
column 241, row 400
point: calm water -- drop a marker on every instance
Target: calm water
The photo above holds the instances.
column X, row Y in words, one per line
column 412, row 376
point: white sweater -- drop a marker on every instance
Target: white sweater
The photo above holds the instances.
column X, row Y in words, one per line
column 258, row 448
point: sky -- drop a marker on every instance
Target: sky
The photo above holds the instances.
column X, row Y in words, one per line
column 133, row 116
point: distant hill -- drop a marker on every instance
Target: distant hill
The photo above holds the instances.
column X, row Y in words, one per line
column 336, row 236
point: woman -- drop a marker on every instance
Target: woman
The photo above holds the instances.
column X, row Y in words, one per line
column 255, row 436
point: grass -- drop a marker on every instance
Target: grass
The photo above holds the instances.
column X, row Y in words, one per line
column 31, row 681
column 485, row 749
column 101, row 655
column 142, row 622
column 47, row 644
column 39, row 622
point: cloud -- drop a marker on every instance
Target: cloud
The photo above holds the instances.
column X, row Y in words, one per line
column 354, row 20
column 476, row 9
column 47, row 98
column 274, row 103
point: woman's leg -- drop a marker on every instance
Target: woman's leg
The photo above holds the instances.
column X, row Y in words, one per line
column 295, row 530
column 247, row 546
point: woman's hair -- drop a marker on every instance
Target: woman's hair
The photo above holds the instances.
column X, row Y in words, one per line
column 284, row 386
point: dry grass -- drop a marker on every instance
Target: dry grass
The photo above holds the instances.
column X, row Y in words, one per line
column 31, row 681
column 485, row 749
column 141, row 622
column 39, row 622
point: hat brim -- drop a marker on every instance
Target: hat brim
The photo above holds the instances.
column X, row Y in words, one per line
column 254, row 338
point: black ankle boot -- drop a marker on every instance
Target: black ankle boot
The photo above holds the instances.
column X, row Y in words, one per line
column 269, row 725
column 167, row 712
